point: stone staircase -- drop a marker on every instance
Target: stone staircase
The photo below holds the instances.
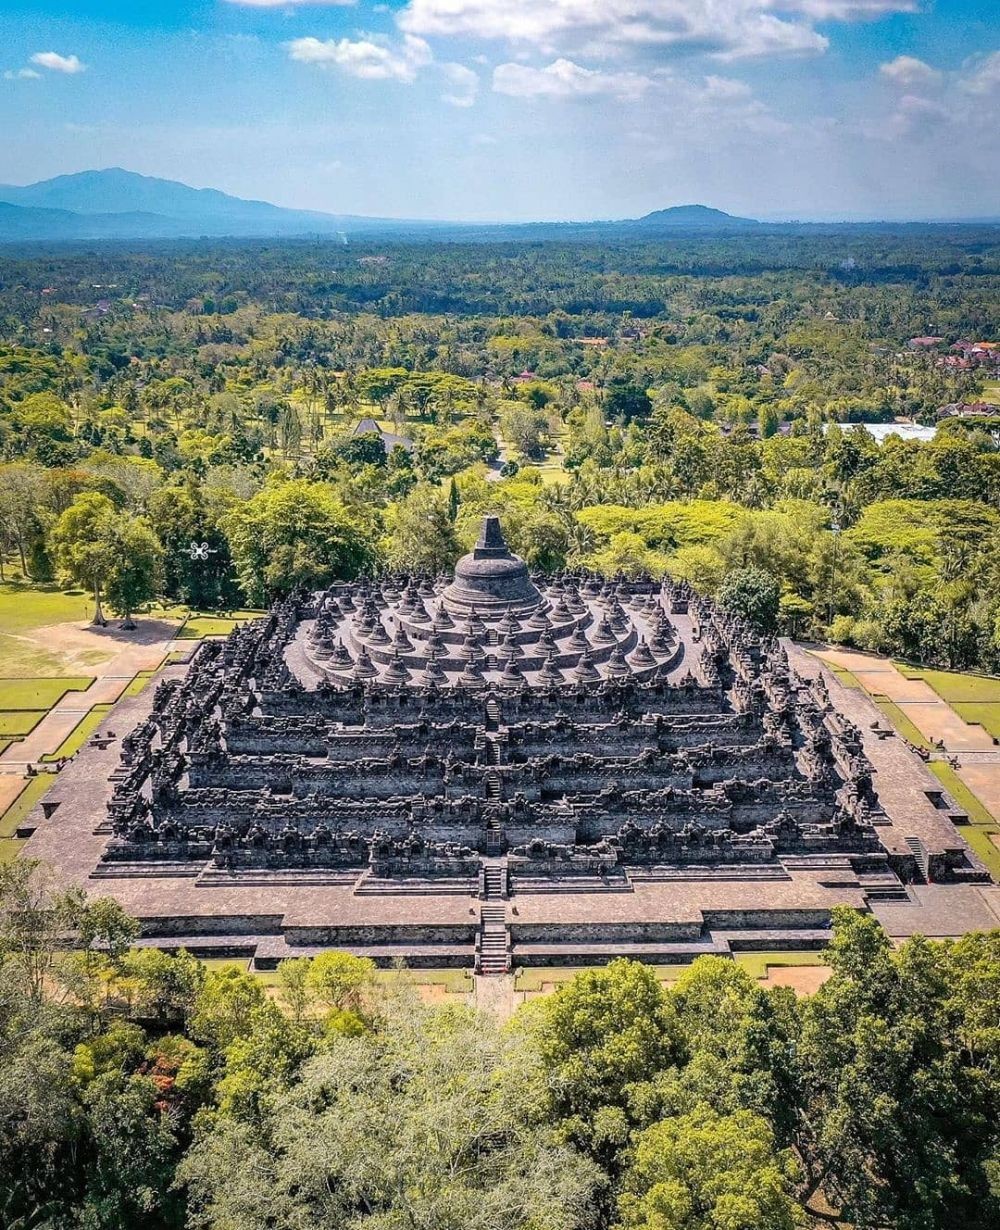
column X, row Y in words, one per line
column 493, row 955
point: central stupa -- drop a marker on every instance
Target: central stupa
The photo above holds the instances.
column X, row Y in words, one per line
column 490, row 579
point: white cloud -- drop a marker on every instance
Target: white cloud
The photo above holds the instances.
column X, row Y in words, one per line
column 908, row 72
column 366, row 58
column 56, row 63
column 21, row 74
column 729, row 29
column 564, row 79
column 462, row 85
column 984, row 76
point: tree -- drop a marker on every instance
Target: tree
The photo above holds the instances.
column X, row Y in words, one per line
column 626, row 400
column 599, row 1035
column 113, row 553
column 294, row 534
column 413, row 1128
column 423, row 535
column 81, row 541
column 342, row 981
column 903, row 1121
column 524, row 427
column 135, row 573
column 754, row 595
column 706, row 1171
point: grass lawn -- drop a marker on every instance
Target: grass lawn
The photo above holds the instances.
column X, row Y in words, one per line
column 954, row 686
column 845, row 677
column 39, row 693
column 197, row 626
column 25, row 606
column 450, row 981
column 980, row 713
column 961, row 793
column 756, row 964
column 139, row 683
column 901, row 722
column 975, row 698
column 17, row 812
column 80, row 733
column 20, row 722
column 10, row 848
column 979, row 838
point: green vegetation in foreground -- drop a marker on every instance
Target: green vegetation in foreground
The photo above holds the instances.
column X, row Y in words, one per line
column 16, row 814
column 960, row 792
column 172, row 1094
column 80, row 733
column 39, row 693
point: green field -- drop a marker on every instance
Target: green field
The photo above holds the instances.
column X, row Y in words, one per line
column 26, row 606
column 28, row 694
column 961, row 793
column 20, row 722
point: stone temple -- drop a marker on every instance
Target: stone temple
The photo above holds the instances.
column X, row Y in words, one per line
column 499, row 768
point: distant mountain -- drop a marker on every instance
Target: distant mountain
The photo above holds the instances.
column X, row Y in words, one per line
column 117, row 204
column 690, row 216
column 122, row 204
column 26, row 222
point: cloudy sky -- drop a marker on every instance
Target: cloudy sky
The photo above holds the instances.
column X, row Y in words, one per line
column 518, row 109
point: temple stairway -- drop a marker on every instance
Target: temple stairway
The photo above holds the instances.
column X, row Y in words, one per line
column 493, row 957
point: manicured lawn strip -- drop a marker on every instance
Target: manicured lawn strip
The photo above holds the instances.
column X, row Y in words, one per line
column 138, row 684
column 10, row 848
column 846, row 677
column 901, row 722
column 17, row 812
column 954, row 686
column 755, row 963
column 39, row 693
column 454, row 981
column 963, row 796
column 80, row 733
column 978, row 837
column 197, row 626
column 984, row 713
column 21, row 722
column 758, row 963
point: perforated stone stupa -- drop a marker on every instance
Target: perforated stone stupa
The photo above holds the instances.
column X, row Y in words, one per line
column 497, row 768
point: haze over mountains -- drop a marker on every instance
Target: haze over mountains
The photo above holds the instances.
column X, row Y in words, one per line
column 119, row 204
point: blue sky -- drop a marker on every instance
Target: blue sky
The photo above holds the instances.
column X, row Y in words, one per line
column 518, row 109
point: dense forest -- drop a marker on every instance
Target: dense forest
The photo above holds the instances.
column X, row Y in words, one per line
column 142, row 1089
column 690, row 406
